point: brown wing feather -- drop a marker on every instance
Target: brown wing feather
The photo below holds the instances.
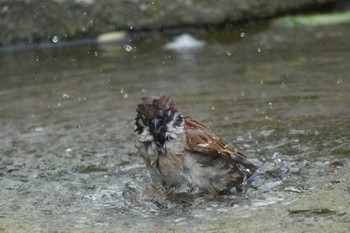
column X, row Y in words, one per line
column 202, row 139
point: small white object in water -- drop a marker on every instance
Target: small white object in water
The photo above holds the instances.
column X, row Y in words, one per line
column 65, row 96
column 297, row 131
column 112, row 37
column 38, row 129
column 268, row 201
column 55, row 39
column 68, row 152
column 292, row 189
column 266, row 133
column 127, row 48
column 179, row 220
column 222, row 210
column 184, row 42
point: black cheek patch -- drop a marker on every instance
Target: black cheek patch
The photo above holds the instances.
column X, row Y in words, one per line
column 139, row 127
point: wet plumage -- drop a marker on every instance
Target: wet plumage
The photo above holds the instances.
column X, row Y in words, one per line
column 179, row 149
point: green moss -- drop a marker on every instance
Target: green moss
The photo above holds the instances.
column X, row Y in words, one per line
column 314, row 20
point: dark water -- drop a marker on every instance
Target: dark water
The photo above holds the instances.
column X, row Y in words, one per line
column 282, row 95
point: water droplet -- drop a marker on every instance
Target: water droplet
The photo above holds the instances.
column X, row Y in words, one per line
column 127, row 48
column 65, row 96
column 259, row 50
column 276, row 158
column 228, row 53
column 126, row 95
column 38, row 129
column 242, row 34
column 68, row 152
column 212, row 108
column 55, row 39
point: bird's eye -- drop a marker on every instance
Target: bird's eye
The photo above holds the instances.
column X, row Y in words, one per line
column 178, row 121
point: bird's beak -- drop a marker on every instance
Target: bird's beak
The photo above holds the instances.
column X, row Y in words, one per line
column 155, row 123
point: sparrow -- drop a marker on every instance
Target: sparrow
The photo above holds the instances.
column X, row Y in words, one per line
column 178, row 149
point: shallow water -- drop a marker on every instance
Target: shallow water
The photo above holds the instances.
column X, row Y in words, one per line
column 282, row 95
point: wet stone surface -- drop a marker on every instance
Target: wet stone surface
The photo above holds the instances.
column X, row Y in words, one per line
column 67, row 156
column 36, row 21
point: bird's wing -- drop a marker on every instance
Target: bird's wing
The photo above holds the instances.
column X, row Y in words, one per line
column 202, row 139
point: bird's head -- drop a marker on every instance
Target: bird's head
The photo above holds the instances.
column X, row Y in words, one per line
column 158, row 120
